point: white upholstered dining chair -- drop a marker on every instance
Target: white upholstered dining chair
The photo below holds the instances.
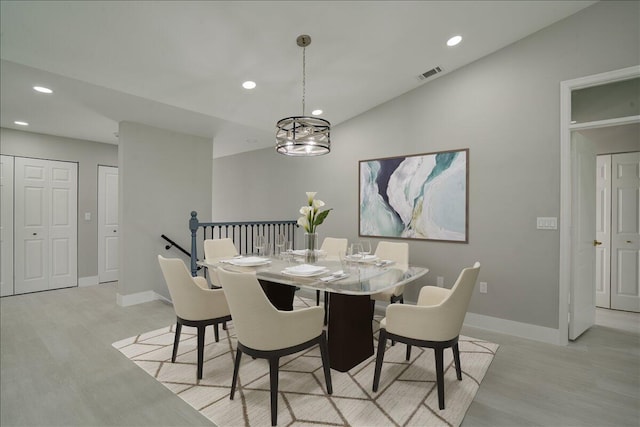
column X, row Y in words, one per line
column 397, row 252
column 215, row 250
column 194, row 304
column 434, row 322
column 267, row 333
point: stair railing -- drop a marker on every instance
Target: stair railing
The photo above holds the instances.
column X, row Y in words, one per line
column 243, row 234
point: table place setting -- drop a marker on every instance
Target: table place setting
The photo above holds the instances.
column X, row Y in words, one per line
column 336, row 275
column 305, row 270
column 246, row 261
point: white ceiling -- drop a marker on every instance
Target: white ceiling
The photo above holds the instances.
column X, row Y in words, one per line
column 179, row 65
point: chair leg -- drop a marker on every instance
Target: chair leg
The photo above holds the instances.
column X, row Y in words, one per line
column 236, row 368
column 382, row 342
column 317, row 297
column 273, row 386
column 216, row 334
column 408, row 352
column 201, row 330
column 176, row 341
column 324, row 352
column 456, row 358
column 440, row 375
column 224, row 326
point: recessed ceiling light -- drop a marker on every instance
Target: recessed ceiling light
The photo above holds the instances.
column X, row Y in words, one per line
column 42, row 89
column 454, row 40
column 18, row 122
column 249, row 84
column 316, row 112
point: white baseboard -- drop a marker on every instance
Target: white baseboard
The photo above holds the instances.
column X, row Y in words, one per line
column 510, row 327
column 137, row 298
column 88, row 281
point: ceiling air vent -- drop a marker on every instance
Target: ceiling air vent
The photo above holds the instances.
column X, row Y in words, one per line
column 429, row 73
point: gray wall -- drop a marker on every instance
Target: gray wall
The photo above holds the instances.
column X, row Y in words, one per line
column 89, row 155
column 163, row 177
column 506, row 109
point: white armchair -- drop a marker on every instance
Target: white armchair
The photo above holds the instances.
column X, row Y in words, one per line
column 194, row 304
column 397, row 252
column 267, row 333
column 215, row 250
column 434, row 322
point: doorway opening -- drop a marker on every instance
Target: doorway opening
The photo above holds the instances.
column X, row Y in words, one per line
column 576, row 306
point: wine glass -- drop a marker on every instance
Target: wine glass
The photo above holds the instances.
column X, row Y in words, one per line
column 261, row 244
column 355, row 251
column 366, row 249
column 280, row 242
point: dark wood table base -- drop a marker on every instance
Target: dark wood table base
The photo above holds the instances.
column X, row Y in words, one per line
column 281, row 296
column 350, row 330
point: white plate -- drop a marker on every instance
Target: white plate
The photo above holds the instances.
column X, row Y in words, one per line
column 305, row 270
column 366, row 258
column 303, row 252
column 250, row 261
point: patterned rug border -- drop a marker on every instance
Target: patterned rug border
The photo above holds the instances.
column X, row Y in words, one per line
column 407, row 394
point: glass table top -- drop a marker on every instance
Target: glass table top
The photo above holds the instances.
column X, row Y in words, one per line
column 358, row 278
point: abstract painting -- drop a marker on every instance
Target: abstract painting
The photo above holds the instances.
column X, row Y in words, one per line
column 422, row 196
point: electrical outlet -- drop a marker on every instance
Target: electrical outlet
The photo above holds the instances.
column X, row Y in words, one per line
column 483, row 287
column 440, row 281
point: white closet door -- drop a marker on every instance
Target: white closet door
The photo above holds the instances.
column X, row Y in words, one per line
column 625, row 229
column 45, row 217
column 603, row 227
column 63, row 225
column 108, row 232
column 6, row 225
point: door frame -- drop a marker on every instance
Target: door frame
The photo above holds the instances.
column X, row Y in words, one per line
column 566, row 249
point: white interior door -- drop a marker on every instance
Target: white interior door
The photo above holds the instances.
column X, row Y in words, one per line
column 625, row 228
column 6, row 225
column 582, row 304
column 45, row 217
column 63, row 225
column 603, row 226
column 108, row 231
column 31, row 213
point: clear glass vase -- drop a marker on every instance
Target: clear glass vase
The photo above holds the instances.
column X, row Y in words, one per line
column 310, row 244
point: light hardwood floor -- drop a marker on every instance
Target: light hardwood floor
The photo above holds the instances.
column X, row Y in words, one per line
column 57, row 367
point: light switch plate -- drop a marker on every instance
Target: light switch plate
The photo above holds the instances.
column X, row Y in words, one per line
column 547, row 223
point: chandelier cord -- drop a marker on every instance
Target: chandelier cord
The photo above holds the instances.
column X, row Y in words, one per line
column 304, row 80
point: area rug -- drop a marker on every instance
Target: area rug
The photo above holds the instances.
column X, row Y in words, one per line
column 407, row 395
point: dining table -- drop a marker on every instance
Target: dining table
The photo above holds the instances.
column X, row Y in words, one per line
column 349, row 283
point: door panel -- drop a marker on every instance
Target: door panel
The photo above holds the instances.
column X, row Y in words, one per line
column 6, row 225
column 46, row 232
column 108, row 229
column 582, row 297
column 63, row 225
column 625, row 232
column 603, row 226
column 31, row 231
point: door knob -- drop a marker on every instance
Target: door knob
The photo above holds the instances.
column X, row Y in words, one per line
column 629, row 241
column 115, row 231
column 596, row 243
column 35, row 234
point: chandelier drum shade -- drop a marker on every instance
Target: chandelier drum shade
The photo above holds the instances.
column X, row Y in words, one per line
column 303, row 135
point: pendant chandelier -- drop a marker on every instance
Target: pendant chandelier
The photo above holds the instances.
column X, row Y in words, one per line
column 303, row 135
